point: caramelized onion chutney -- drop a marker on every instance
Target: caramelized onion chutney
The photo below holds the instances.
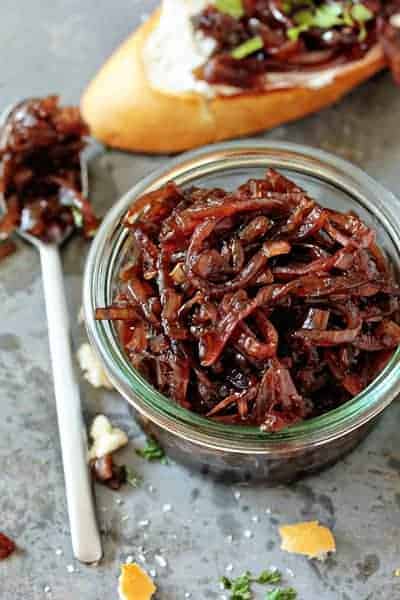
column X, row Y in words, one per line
column 40, row 151
column 255, row 307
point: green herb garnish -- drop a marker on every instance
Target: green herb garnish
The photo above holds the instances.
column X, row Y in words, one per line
column 247, row 48
column 77, row 216
column 269, row 577
column 226, row 583
column 240, row 588
column 282, row 594
column 361, row 14
column 327, row 16
column 234, row 8
column 152, row 451
column 132, row 478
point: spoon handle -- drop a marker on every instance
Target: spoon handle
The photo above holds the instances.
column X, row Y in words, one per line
column 85, row 535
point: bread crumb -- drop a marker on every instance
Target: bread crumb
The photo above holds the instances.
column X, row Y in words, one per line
column 135, row 584
column 309, row 538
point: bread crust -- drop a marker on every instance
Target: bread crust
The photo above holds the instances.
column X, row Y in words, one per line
column 124, row 111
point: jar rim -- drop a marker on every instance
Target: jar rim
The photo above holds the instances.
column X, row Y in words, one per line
column 153, row 405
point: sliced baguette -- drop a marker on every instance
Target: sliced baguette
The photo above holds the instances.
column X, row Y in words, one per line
column 124, row 111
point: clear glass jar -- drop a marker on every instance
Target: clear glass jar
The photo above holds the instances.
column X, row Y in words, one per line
column 241, row 451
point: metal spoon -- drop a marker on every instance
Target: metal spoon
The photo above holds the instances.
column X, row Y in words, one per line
column 86, row 542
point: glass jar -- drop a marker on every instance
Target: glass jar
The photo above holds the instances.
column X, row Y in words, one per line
column 245, row 452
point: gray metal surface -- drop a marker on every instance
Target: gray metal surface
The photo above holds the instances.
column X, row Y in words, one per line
column 55, row 47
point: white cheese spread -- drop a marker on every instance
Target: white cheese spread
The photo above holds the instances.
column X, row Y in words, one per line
column 174, row 50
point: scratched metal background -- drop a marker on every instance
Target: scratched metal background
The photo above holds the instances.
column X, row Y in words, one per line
column 55, row 46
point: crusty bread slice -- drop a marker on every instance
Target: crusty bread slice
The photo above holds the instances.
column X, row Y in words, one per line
column 124, row 111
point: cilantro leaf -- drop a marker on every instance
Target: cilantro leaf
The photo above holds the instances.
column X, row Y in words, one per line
column 361, row 13
column 304, row 18
column 239, row 588
column 294, row 32
column 226, row 583
column 234, row 8
column 77, row 216
column 131, row 477
column 282, row 594
column 152, row 451
column 328, row 15
column 249, row 47
column 269, row 577
column 325, row 17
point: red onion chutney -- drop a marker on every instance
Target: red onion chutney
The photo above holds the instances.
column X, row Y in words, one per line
column 257, row 306
column 40, row 149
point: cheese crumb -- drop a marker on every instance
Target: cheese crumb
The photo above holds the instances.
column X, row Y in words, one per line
column 106, row 438
column 92, row 368
column 135, row 584
column 310, row 539
column 395, row 20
